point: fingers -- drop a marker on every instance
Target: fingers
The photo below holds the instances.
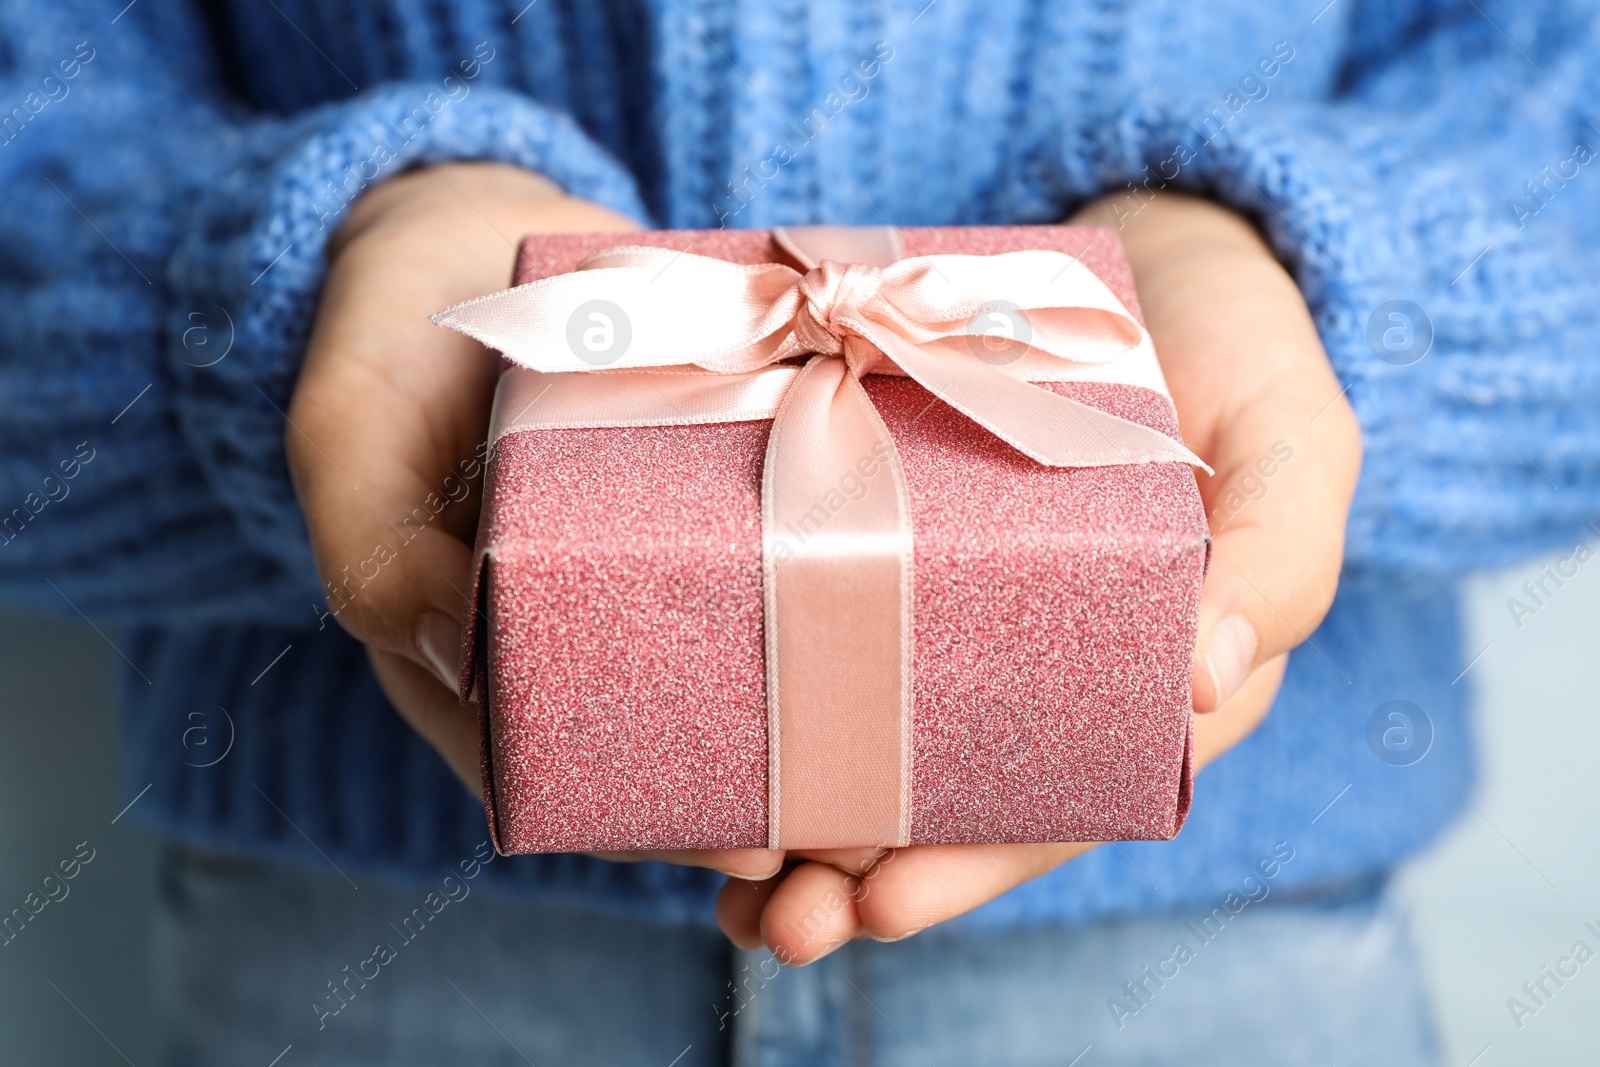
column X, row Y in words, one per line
column 1286, row 468
column 816, row 907
column 435, row 713
column 414, row 604
column 741, row 905
column 811, row 912
column 850, row 860
column 387, row 496
column 739, row 908
column 1220, row 730
column 930, row 884
column 399, row 584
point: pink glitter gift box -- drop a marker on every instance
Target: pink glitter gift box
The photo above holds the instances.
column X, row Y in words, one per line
column 617, row 647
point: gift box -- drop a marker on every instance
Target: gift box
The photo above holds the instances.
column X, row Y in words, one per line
column 1020, row 671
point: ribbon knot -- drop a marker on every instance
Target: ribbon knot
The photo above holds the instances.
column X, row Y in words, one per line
column 834, row 295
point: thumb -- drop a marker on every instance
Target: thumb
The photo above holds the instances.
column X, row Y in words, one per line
column 386, row 456
column 414, row 601
column 386, row 531
column 1277, row 521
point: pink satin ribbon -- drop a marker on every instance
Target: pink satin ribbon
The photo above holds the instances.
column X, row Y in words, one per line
column 712, row 341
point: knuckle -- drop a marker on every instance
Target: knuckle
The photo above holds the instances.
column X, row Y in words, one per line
column 1339, row 432
column 367, row 608
column 883, row 917
column 1320, row 599
column 1346, row 430
column 1318, row 585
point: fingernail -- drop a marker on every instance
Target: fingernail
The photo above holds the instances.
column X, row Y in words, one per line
column 439, row 641
column 824, row 954
column 1229, row 654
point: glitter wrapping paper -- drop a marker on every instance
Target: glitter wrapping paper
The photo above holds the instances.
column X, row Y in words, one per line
column 618, row 643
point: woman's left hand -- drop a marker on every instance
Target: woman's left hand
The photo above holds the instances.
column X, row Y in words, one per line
column 1252, row 385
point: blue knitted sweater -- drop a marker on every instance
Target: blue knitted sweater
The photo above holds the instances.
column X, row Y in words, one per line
column 172, row 170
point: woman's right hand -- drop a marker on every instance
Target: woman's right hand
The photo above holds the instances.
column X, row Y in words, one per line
column 388, row 416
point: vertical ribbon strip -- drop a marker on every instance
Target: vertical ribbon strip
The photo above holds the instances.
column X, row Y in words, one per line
column 839, row 694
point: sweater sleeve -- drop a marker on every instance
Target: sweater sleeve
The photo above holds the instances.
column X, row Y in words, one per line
column 1439, row 205
column 161, row 252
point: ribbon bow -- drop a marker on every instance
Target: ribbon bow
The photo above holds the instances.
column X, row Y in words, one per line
column 639, row 336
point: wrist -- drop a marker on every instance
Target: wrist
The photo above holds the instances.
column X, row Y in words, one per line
column 1190, row 254
column 512, row 200
column 1167, row 226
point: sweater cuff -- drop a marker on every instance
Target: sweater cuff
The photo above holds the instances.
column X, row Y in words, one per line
column 1458, row 361
column 249, row 270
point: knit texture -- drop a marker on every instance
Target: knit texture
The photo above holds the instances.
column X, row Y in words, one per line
column 174, row 170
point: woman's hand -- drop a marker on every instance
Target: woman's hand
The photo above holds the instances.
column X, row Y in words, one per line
column 386, row 423
column 1258, row 401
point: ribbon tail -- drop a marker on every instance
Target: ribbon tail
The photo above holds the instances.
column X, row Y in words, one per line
column 690, row 310
column 838, row 570
column 1052, row 429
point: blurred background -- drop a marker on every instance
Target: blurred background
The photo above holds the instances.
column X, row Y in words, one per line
column 1505, row 893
